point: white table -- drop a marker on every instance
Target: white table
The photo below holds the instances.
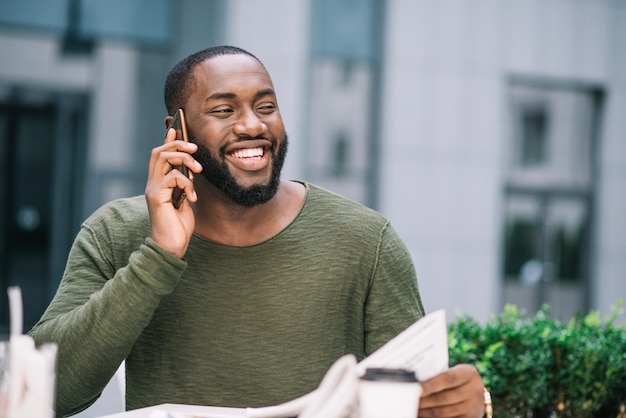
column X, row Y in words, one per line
column 193, row 411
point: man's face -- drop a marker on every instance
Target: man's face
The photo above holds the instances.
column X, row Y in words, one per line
column 232, row 114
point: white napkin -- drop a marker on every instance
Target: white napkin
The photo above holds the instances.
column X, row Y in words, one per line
column 30, row 378
column 28, row 386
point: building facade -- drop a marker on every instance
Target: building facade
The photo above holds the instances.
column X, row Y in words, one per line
column 492, row 134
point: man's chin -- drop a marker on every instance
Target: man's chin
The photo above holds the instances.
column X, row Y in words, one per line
column 250, row 185
column 247, row 194
column 254, row 196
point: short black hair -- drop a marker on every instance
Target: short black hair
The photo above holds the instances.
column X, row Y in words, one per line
column 179, row 81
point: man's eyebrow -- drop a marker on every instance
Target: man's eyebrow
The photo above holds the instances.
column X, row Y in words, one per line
column 222, row 96
column 265, row 92
column 230, row 96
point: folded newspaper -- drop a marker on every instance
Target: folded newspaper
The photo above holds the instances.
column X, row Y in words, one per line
column 422, row 348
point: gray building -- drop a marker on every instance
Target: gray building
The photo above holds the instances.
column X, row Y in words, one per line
column 492, row 133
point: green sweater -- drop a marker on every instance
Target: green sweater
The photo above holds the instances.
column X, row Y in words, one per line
column 227, row 326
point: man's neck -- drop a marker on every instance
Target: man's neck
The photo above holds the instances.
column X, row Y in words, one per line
column 219, row 219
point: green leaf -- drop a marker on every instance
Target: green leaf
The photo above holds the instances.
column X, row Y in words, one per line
column 534, row 365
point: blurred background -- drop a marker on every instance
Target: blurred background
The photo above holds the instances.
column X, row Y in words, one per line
column 491, row 133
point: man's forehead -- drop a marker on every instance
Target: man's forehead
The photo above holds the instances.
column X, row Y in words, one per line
column 230, row 76
column 230, row 66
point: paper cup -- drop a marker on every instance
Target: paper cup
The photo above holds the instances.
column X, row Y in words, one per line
column 385, row 393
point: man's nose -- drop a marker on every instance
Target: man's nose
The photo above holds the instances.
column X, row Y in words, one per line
column 249, row 124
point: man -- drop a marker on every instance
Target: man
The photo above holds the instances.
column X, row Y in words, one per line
column 248, row 292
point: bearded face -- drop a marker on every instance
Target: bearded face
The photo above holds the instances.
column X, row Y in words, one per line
column 216, row 171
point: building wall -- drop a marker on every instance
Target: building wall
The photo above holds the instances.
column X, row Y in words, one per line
column 446, row 69
column 443, row 116
column 441, row 147
column 610, row 262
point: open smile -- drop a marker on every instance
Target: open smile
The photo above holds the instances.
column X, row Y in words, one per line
column 250, row 155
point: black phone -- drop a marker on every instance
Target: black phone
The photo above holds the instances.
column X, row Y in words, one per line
column 180, row 126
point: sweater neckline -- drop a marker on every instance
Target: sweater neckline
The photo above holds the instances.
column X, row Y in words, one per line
column 208, row 241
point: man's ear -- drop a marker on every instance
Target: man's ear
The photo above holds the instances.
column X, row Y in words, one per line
column 168, row 120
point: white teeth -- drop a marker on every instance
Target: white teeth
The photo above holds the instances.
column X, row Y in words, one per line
column 248, row 153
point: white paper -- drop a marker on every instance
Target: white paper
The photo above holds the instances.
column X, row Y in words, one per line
column 28, row 381
column 16, row 310
column 158, row 413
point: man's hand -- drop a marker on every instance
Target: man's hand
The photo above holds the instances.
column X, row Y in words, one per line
column 456, row 393
column 171, row 228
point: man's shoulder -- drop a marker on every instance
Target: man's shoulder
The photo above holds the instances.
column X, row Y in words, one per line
column 326, row 203
column 123, row 213
column 321, row 194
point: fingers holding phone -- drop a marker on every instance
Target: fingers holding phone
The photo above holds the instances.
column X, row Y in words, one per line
column 179, row 125
column 168, row 186
column 171, row 170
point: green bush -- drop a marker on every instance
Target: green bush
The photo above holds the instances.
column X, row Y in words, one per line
column 541, row 367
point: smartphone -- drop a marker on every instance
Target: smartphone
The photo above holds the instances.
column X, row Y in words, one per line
column 180, row 126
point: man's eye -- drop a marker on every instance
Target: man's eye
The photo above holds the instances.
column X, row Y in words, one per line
column 266, row 108
column 222, row 112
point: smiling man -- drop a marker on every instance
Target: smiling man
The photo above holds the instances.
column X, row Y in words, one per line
column 248, row 292
column 243, row 106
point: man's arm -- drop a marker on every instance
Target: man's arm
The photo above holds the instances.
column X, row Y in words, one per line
column 107, row 296
column 98, row 313
column 395, row 300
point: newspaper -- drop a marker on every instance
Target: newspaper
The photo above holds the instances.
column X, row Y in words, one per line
column 422, row 348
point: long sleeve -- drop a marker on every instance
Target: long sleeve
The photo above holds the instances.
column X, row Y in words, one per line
column 100, row 309
column 394, row 300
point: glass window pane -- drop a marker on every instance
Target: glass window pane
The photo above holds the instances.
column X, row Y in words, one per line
column 135, row 20
column 567, row 222
column 533, row 140
column 551, row 130
column 44, row 14
column 522, row 239
column 344, row 29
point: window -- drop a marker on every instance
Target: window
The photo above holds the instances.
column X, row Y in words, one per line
column 548, row 195
column 533, row 136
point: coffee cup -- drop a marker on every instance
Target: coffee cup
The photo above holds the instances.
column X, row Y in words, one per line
column 388, row 393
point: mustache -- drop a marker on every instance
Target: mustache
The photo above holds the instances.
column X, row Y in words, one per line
column 241, row 138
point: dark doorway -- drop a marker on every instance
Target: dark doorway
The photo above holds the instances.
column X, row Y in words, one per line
column 40, row 183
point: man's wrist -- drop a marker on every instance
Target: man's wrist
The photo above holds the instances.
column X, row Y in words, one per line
column 488, row 405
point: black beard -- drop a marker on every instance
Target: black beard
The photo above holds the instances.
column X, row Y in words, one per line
column 217, row 173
